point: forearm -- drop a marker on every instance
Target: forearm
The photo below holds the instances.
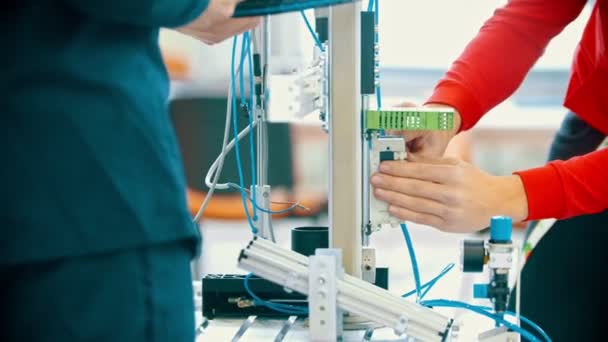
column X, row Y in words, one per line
column 563, row 189
column 496, row 61
column 153, row 13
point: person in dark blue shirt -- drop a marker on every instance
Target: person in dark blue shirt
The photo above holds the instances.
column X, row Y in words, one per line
column 96, row 236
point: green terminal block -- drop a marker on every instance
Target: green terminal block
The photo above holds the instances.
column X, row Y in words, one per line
column 410, row 119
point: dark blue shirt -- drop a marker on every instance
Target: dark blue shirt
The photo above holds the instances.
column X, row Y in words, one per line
column 90, row 162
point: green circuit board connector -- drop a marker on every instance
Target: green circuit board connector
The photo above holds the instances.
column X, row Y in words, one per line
column 410, row 119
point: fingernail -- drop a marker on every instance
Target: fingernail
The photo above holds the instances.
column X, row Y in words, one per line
column 384, row 167
column 392, row 209
column 376, row 180
column 379, row 192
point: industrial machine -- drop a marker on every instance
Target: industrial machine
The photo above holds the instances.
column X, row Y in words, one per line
column 336, row 284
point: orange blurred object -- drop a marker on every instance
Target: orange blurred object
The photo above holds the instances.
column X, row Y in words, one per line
column 177, row 65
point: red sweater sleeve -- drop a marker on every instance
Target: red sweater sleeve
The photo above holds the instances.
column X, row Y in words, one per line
column 495, row 63
column 563, row 189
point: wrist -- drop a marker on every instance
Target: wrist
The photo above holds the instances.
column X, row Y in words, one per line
column 513, row 202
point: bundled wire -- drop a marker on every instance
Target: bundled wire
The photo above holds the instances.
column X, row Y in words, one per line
column 429, row 285
column 279, row 307
column 215, row 170
column 410, row 249
column 486, row 311
column 292, row 205
column 251, row 106
column 254, row 230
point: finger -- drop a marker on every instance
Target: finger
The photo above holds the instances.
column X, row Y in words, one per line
column 439, row 171
column 416, row 204
column 408, row 135
column 412, row 216
column 411, row 187
column 425, row 159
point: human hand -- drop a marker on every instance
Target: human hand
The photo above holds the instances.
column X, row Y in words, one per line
column 448, row 194
column 428, row 144
column 217, row 24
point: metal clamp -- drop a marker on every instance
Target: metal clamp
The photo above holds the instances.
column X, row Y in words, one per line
column 401, row 326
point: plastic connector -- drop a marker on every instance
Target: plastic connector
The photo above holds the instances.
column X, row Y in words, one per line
column 480, row 291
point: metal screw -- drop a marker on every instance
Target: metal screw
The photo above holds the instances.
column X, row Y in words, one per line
column 322, row 322
column 322, row 308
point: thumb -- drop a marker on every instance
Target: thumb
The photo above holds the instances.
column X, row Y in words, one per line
column 427, row 159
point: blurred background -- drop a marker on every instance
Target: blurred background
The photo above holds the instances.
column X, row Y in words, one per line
column 418, row 42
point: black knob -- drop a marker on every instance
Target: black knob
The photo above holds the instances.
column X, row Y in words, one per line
column 472, row 254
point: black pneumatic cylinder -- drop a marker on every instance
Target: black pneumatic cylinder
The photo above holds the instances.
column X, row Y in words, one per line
column 472, row 255
column 305, row 240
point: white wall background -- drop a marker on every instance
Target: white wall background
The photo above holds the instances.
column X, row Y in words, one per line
column 432, row 33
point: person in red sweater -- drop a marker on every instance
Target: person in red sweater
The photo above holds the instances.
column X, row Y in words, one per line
column 561, row 289
column 455, row 196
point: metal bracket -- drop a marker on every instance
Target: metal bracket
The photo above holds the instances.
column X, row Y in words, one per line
column 368, row 264
column 324, row 315
column 300, row 93
column 285, row 328
column 262, row 193
column 243, row 329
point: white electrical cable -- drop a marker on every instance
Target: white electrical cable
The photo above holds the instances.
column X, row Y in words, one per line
column 219, row 160
column 216, row 168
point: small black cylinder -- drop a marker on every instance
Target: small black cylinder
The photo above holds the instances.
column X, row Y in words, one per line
column 473, row 255
column 305, row 240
